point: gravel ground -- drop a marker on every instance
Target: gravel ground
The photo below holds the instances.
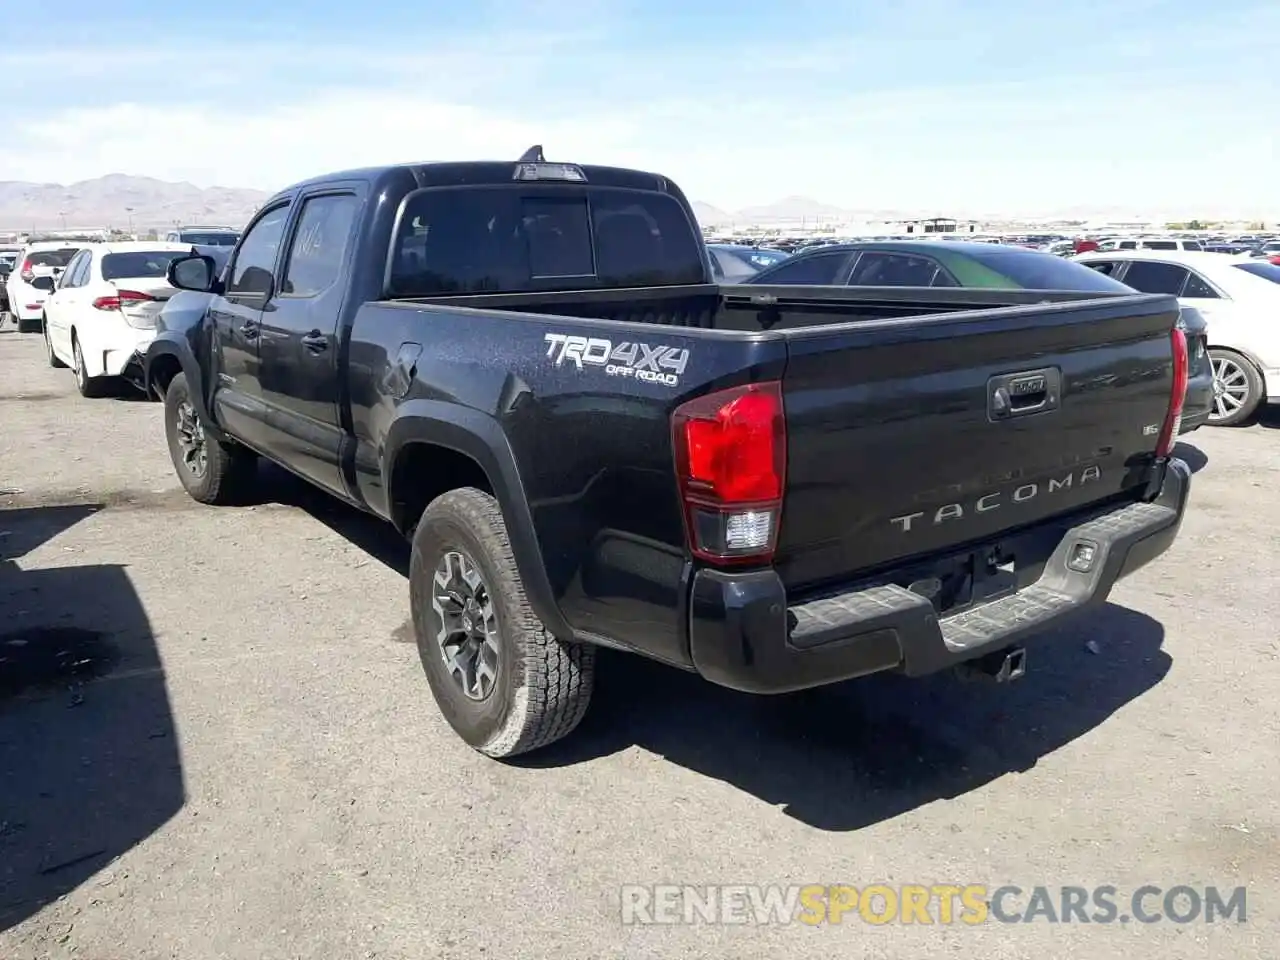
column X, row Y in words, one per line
column 239, row 756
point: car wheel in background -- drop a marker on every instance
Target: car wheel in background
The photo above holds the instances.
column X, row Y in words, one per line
column 1237, row 388
column 48, row 346
column 210, row 471
column 88, row 386
column 503, row 681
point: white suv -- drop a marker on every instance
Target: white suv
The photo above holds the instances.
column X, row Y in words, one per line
column 1150, row 243
column 34, row 275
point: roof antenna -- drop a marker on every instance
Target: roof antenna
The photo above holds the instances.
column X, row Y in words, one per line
column 533, row 155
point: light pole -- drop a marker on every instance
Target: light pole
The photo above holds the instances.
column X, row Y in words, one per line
column 129, row 210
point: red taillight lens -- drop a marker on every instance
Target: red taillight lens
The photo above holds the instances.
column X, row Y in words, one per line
column 731, row 456
column 122, row 297
column 1177, row 395
column 25, row 271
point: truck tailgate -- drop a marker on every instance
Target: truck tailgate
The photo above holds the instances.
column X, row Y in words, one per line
column 911, row 436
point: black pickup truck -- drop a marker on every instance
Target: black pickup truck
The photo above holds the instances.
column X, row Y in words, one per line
column 525, row 367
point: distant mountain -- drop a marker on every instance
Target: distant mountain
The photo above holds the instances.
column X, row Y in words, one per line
column 110, row 201
column 709, row 216
column 791, row 208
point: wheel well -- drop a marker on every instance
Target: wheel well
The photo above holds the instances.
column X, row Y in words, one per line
column 1253, row 361
column 422, row 472
column 161, row 373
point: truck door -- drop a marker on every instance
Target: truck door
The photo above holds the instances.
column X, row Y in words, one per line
column 237, row 321
column 299, row 337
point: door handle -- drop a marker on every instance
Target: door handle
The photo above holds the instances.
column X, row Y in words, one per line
column 315, row 341
column 249, row 329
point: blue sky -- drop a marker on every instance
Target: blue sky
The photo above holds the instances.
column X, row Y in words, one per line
column 955, row 106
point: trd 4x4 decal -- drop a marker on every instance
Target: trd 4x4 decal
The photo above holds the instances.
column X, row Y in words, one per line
column 649, row 363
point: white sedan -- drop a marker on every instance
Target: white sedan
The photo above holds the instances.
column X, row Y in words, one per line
column 1239, row 298
column 104, row 308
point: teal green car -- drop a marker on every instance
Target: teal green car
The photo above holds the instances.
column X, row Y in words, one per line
column 936, row 263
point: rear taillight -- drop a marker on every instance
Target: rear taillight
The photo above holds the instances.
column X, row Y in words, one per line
column 120, row 299
column 731, row 460
column 1177, row 395
column 26, row 272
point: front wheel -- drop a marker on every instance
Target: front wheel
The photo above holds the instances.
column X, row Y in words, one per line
column 1237, row 389
column 210, row 471
column 504, row 683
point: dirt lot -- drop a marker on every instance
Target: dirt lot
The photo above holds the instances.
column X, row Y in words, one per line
column 239, row 757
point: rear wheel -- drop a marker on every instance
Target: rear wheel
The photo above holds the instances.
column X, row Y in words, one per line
column 503, row 682
column 48, row 346
column 210, row 471
column 88, row 386
column 1237, row 388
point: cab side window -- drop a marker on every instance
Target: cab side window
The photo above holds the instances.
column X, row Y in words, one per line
column 253, row 271
column 319, row 245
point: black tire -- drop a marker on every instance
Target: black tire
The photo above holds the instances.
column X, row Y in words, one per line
column 1244, row 384
column 89, row 387
column 48, row 346
column 543, row 685
column 27, row 326
column 228, row 469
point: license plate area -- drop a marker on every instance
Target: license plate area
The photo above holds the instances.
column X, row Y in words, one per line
column 967, row 580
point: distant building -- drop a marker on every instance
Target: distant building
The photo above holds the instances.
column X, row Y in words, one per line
column 939, row 225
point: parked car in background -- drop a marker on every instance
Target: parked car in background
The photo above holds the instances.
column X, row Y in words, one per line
column 1268, row 250
column 1150, row 243
column 204, row 236
column 980, row 266
column 1230, row 246
column 8, row 260
column 733, row 263
column 1239, row 299
column 33, row 278
column 105, row 307
column 935, row 263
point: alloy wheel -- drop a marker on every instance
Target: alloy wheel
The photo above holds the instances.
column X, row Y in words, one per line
column 1230, row 388
column 468, row 634
column 191, row 440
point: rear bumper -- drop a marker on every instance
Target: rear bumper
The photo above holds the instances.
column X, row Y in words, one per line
column 743, row 633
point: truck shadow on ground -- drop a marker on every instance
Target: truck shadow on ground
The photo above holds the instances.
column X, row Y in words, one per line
column 89, row 761
column 847, row 756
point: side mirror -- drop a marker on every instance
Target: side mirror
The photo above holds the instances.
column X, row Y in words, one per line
column 43, row 283
column 195, row 272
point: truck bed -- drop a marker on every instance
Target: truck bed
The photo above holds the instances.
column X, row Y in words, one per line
column 886, row 394
column 753, row 309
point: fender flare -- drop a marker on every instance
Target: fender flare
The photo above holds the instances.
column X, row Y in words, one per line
column 179, row 349
column 479, row 436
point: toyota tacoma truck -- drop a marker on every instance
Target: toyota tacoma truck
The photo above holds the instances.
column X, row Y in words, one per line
column 526, row 368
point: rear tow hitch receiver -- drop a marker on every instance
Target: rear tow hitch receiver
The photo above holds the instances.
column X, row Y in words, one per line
column 1002, row 666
